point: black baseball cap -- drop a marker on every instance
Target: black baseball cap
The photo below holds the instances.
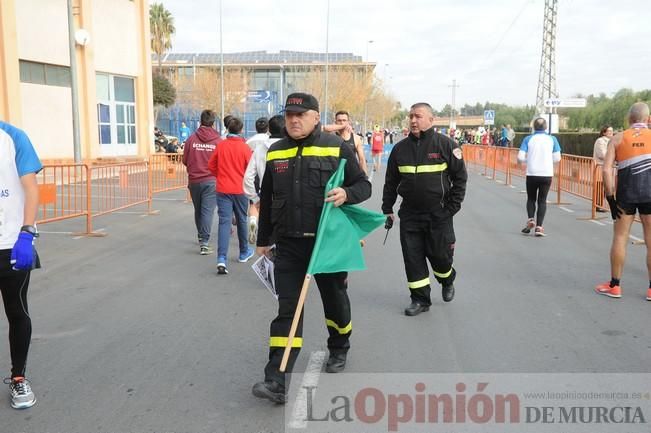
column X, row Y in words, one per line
column 301, row 102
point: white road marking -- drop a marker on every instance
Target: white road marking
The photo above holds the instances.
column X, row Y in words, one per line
column 566, row 209
column 82, row 236
column 597, row 222
column 310, row 378
column 168, row 199
column 511, row 186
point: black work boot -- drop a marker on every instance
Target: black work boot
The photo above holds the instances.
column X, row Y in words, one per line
column 415, row 309
column 448, row 292
column 270, row 390
column 336, row 362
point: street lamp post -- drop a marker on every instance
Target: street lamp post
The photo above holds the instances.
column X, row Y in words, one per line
column 221, row 60
column 386, row 87
column 74, row 85
column 366, row 95
column 325, row 104
column 453, row 119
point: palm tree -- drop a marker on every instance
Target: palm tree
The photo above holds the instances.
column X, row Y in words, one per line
column 161, row 23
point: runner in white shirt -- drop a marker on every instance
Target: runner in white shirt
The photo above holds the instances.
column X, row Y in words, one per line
column 540, row 151
column 18, row 207
column 255, row 170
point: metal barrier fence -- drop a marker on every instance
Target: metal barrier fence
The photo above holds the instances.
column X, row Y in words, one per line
column 63, row 193
column 167, row 172
column 575, row 175
column 78, row 190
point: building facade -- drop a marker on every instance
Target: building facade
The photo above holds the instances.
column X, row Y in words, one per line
column 113, row 58
column 257, row 82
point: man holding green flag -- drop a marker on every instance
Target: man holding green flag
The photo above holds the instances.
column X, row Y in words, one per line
column 297, row 197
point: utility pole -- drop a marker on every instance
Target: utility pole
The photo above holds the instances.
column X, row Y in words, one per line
column 547, row 75
column 74, row 85
column 453, row 121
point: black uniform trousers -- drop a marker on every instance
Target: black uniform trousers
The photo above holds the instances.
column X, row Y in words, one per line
column 425, row 238
column 290, row 266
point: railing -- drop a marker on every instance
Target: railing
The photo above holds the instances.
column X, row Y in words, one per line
column 63, row 193
column 575, row 175
column 119, row 186
column 78, row 190
column 167, row 172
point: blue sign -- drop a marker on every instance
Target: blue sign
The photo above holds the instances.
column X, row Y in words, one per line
column 258, row 96
column 489, row 117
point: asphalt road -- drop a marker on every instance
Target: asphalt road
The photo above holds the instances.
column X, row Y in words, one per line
column 135, row 331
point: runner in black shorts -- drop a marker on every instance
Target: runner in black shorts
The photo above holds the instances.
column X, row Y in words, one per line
column 631, row 149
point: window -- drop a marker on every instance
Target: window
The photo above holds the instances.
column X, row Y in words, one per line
column 41, row 73
column 116, row 114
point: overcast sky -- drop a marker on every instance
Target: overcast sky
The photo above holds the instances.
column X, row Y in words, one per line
column 492, row 48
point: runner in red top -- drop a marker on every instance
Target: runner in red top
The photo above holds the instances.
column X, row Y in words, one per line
column 377, row 148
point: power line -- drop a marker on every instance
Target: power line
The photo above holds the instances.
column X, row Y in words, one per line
column 499, row 42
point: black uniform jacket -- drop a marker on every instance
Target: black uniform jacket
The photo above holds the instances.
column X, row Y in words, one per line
column 293, row 187
column 429, row 174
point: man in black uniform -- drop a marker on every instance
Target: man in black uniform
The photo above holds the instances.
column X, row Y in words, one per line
column 428, row 171
column 291, row 198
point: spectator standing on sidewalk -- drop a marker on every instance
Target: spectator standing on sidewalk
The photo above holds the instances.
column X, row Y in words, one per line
column 598, row 155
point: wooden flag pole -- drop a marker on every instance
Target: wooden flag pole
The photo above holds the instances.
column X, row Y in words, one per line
column 297, row 318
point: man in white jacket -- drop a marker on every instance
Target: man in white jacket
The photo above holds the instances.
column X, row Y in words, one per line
column 262, row 133
column 255, row 171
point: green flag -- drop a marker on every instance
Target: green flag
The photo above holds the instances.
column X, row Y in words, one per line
column 337, row 246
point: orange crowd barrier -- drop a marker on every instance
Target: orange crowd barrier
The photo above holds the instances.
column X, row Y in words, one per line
column 575, row 175
column 167, row 172
column 80, row 190
column 118, row 186
column 63, row 193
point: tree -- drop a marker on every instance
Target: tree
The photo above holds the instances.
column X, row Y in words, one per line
column 161, row 23
column 164, row 93
column 603, row 110
column 203, row 91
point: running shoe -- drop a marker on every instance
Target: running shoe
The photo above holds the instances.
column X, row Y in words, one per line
column 244, row 257
column 22, row 396
column 253, row 229
column 648, row 294
column 530, row 224
column 539, row 232
column 205, row 250
column 612, row 292
column 221, row 266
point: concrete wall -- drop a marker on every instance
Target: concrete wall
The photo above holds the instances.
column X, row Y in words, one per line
column 115, row 37
column 119, row 45
column 42, row 27
column 47, row 119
